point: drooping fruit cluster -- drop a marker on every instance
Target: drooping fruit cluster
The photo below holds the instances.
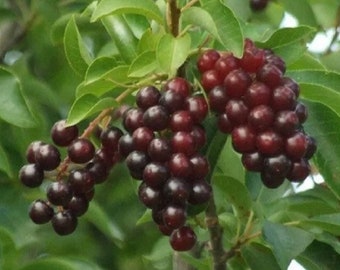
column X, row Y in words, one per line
column 161, row 149
column 72, row 181
column 258, row 106
column 258, row 5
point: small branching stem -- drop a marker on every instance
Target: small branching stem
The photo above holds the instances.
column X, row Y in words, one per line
column 172, row 17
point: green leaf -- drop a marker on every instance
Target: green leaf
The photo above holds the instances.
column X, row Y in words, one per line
column 8, row 250
column 4, row 163
column 306, row 61
column 229, row 30
column 76, row 52
column 146, row 217
column 13, row 109
column 146, row 7
column 259, row 257
column 319, row 85
column 206, row 21
column 87, row 105
column 122, row 35
column 302, row 11
column 287, row 242
column 149, row 40
column 236, row 193
column 329, row 223
column 289, row 43
column 323, row 124
column 98, row 217
column 143, row 65
column 172, row 52
column 49, row 263
column 99, row 67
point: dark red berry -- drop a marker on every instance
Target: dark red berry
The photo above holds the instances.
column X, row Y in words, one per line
column 32, row 150
column 155, row 174
column 181, row 121
column 99, row 170
column 178, row 85
column 293, row 85
column 48, row 157
column 125, row 145
column 172, row 101
column 218, row 99
column 243, row 139
column 271, row 181
column 40, row 212
column 176, row 190
column 301, row 112
column 269, row 143
column 110, row 137
column 257, row 94
column 200, row 167
column 286, row 122
column 236, row 83
column 198, row 108
column 224, row 124
column 299, row 171
column 149, row 196
column 283, row 99
column 261, row 117
column 31, row 175
column 311, row 147
column 183, row 142
column 81, row 180
column 296, row 146
column 226, row 64
column 63, row 135
column 276, row 61
column 258, row 5
column 253, row 161
column 147, row 97
column 277, row 166
column 207, row 60
column 237, row 111
column 81, row 150
column 78, row 205
column 59, row 193
column 141, row 137
column 64, row 222
column 174, row 216
column 253, row 58
column 160, row 150
column 183, row 239
column 136, row 162
column 133, row 119
column 210, row 79
column 201, row 192
column 156, row 118
column 180, row 165
column 199, row 136
column 165, row 230
column 270, row 75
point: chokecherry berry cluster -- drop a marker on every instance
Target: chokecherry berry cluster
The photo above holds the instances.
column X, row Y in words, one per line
column 258, row 106
column 73, row 180
column 258, row 5
column 162, row 149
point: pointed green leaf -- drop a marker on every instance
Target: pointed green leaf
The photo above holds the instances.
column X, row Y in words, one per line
column 319, row 85
column 48, row 263
column 148, row 8
column 329, row 223
column 143, row 65
column 87, row 105
column 287, row 242
column 323, row 124
column 146, row 217
column 149, row 41
column 206, row 21
column 229, row 30
column 301, row 10
column 4, row 163
column 99, row 67
column 172, row 52
column 8, row 250
column 259, row 257
column 13, row 109
column 122, row 35
column 76, row 52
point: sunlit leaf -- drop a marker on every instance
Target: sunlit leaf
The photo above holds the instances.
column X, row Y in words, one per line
column 143, row 65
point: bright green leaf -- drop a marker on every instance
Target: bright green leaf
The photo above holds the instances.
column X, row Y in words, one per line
column 302, row 10
column 99, row 67
column 172, row 52
column 229, row 30
column 146, row 217
column 122, row 35
column 87, row 105
column 149, row 41
column 76, row 52
column 306, row 61
column 146, row 7
column 259, row 257
column 13, row 109
column 143, row 65
column 323, row 124
column 287, row 242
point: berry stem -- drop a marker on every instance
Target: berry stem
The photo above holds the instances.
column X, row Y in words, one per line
column 173, row 14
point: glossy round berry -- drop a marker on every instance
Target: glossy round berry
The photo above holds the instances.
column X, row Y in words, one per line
column 200, row 167
column 31, row 175
column 270, row 75
column 253, row 58
column 218, row 99
column 174, row 216
column 183, row 239
column 207, row 60
column 271, row 181
column 296, row 146
column 226, row 64
column 180, row 165
column 311, row 147
column 243, row 139
column 261, row 117
column 172, row 101
column 237, row 111
column 125, row 145
column 81, row 150
column 150, row 197
column 253, row 161
column 59, row 193
column 63, row 135
column 236, row 83
column 276, row 61
column 32, row 150
column 48, row 157
column 198, row 108
column 301, row 112
column 176, row 190
column 99, row 170
column 165, row 230
column 283, row 99
column 136, row 162
column 210, row 79
column 156, row 118
column 78, row 205
column 133, row 119
column 293, row 85
column 299, row 171
column 183, row 142
column 181, row 121
column 160, row 150
column 155, row 174
column 286, row 122
column 142, row 137
column 64, row 222
column 147, row 97
column 178, row 85
column 201, row 192
column 40, row 212
column 269, row 143
column 105, row 156
column 257, row 94
column 81, row 180
column 224, row 124
column 198, row 134
column 277, row 166
column 109, row 138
